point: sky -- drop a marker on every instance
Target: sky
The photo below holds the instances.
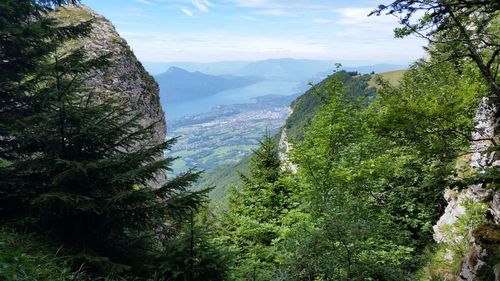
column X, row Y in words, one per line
column 250, row 30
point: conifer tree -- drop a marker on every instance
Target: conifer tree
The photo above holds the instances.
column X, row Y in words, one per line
column 252, row 223
column 76, row 165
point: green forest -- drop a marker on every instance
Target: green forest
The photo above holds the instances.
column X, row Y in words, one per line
column 84, row 193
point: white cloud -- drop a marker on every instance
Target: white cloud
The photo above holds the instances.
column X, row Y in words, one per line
column 187, row 12
column 359, row 17
column 145, row 2
column 343, row 34
column 201, row 5
column 251, row 3
column 354, row 24
column 297, row 5
column 322, row 20
column 275, row 12
column 212, row 46
column 136, row 11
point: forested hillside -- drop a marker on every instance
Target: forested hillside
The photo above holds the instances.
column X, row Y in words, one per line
column 383, row 177
column 303, row 110
column 373, row 168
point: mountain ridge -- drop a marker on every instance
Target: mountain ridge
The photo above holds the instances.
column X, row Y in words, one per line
column 178, row 84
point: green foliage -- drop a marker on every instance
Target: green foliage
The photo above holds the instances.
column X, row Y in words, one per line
column 456, row 30
column 80, row 168
column 250, row 228
column 264, row 162
column 23, row 258
column 371, row 173
column 306, row 106
column 348, row 237
column 190, row 256
column 372, row 169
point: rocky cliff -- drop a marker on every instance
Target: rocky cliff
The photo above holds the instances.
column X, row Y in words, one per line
column 470, row 225
column 284, row 147
column 125, row 78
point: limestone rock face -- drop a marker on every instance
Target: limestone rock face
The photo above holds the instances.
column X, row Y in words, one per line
column 284, row 147
column 126, row 78
column 482, row 262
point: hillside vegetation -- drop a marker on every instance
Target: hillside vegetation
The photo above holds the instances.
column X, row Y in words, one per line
column 392, row 77
column 364, row 199
column 85, row 194
column 303, row 109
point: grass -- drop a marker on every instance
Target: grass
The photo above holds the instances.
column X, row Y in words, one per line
column 71, row 15
column 27, row 258
column 393, row 77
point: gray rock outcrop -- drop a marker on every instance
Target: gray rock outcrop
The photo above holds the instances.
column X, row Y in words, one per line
column 284, row 147
column 125, row 79
column 482, row 261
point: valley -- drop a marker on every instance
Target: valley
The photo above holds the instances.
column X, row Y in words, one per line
column 221, row 110
column 243, row 150
column 227, row 133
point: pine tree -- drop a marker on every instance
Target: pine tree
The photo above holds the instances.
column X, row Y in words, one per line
column 191, row 256
column 253, row 220
column 265, row 163
column 24, row 50
column 24, row 29
column 77, row 165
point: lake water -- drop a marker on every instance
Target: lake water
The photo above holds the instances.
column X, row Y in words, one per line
column 233, row 96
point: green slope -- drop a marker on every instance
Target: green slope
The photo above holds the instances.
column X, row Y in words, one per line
column 221, row 178
column 393, row 77
column 304, row 109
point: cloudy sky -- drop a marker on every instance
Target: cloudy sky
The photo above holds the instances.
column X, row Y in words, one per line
column 222, row 30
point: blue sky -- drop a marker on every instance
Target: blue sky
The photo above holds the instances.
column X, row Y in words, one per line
column 228, row 30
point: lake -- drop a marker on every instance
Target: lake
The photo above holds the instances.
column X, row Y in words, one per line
column 234, row 96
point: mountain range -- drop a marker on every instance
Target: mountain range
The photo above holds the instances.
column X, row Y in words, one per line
column 270, row 67
column 189, row 88
column 177, row 84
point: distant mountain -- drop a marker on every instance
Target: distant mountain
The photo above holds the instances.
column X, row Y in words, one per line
column 212, row 68
column 177, row 84
column 282, row 69
column 286, row 69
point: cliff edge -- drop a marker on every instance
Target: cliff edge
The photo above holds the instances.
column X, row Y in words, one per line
column 125, row 78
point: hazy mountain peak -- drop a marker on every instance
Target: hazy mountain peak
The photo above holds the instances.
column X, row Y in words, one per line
column 175, row 69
